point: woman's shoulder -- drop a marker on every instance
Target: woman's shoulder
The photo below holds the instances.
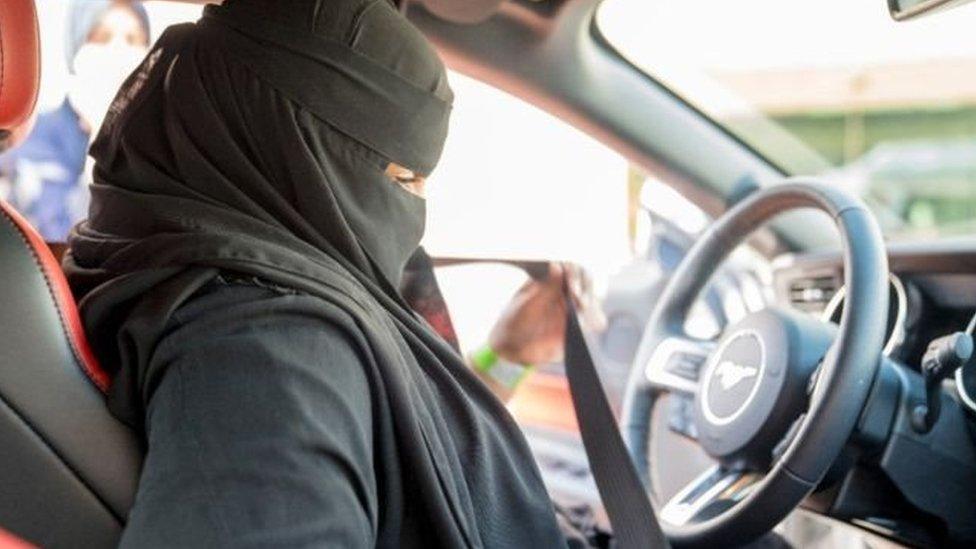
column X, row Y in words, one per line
column 249, row 364
column 253, row 301
column 231, row 314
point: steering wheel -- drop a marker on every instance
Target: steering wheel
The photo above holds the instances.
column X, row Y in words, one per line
column 778, row 394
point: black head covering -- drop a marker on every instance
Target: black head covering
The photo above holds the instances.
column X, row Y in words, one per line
column 293, row 128
column 254, row 142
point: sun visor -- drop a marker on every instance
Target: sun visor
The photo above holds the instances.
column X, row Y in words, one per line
column 462, row 11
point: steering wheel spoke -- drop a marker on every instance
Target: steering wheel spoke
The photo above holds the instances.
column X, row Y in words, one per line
column 715, row 490
column 676, row 364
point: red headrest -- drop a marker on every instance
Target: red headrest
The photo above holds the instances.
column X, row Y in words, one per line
column 20, row 68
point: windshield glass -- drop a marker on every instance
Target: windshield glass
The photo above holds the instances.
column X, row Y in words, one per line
column 832, row 88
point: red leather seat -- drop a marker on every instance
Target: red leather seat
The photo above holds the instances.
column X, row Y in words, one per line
column 20, row 66
column 68, row 469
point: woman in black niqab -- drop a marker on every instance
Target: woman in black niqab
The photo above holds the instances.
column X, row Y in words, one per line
column 237, row 277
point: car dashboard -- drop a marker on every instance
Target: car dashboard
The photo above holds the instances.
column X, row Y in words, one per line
column 911, row 487
column 933, row 293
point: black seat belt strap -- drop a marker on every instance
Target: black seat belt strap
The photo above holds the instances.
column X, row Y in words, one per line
column 626, row 502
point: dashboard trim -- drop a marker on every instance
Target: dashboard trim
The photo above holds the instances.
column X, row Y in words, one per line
column 898, row 333
column 967, row 399
column 656, row 369
column 940, row 256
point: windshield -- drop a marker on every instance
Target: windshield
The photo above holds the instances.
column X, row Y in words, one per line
column 831, row 88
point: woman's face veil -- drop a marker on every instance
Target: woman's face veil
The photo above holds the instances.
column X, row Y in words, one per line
column 289, row 116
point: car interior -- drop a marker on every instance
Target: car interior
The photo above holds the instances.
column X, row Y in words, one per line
column 834, row 388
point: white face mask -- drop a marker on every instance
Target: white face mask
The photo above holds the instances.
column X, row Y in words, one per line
column 100, row 70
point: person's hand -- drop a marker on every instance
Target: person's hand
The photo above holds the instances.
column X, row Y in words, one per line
column 532, row 328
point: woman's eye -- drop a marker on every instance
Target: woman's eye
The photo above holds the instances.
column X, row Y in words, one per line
column 403, row 176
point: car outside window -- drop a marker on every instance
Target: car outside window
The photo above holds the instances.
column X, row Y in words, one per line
column 832, row 88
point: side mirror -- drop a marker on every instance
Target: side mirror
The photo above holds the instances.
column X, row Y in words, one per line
column 903, row 10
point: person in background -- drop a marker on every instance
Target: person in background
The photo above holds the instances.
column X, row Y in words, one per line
column 46, row 178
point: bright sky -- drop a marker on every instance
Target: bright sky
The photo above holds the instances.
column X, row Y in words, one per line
column 755, row 34
column 691, row 45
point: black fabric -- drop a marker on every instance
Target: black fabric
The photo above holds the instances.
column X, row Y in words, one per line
column 319, row 471
column 422, row 293
column 207, row 164
column 251, row 371
column 626, row 501
column 405, row 122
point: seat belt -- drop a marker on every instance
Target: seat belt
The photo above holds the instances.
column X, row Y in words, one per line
column 624, row 497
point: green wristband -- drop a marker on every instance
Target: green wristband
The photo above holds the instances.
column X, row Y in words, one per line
column 508, row 374
column 484, row 358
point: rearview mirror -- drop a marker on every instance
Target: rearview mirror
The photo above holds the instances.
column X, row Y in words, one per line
column 903, row 10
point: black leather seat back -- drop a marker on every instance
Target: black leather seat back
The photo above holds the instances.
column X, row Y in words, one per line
column 68, row 469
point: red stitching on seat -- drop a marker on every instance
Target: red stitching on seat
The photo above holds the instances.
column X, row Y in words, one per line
column 63, row 299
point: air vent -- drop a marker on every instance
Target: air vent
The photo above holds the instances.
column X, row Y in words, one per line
column 812, row 294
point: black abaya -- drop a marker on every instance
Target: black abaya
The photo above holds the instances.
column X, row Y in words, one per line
column 252, row 146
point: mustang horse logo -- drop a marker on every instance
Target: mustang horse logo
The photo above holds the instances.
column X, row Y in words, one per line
column 730, row 374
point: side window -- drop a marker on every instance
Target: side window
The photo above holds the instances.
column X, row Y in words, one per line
column 518, row 183
column 515, row 182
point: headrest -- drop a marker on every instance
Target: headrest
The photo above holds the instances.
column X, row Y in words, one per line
column 20, row 68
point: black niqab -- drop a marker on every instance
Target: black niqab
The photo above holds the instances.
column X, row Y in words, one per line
column 254, row 143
